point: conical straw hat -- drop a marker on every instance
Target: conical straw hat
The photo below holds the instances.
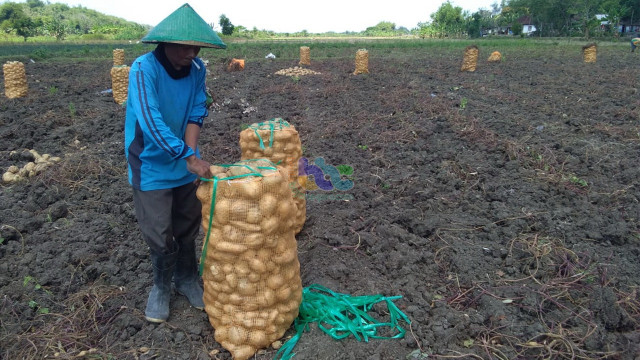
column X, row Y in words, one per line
column 184, row 26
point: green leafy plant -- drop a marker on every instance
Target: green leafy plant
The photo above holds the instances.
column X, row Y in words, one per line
column 41, row 310
column 72, row 110
column 463, row 103
column 578, row 181
column 53, row 90
column 345, row 170
column 36, row 286
column 363, row 147
column 41, row 54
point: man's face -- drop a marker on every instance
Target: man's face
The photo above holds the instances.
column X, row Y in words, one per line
column 180, row 55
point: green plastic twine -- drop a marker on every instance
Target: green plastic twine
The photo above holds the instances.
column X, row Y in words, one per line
column 214, row 190
column 341, row 315
column 271, row 124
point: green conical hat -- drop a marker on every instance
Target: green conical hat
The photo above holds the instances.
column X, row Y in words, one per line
column 184, row 26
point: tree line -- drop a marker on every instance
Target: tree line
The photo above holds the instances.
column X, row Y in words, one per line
column 37, row 18
column 551, row 18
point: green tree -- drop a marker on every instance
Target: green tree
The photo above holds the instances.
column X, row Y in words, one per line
column 474, row 26
column 35, row 3
column 516, row 28
column 448, row 20
column 584, row 12
column 614, row 10
column 383, row 28
column 633, row 10
column 56, row 27
column 13, row 19
column 226, row 25
column 479, row 22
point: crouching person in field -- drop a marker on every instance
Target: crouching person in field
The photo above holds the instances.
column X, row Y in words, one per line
column 166, row 107
column 635, row 42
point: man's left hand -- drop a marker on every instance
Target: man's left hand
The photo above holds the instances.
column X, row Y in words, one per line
column 199, row 167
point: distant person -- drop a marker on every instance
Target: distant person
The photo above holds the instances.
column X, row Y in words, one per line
column 166, row 107
column 635, row 42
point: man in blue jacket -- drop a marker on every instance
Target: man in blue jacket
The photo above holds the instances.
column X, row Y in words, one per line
column 166, row 107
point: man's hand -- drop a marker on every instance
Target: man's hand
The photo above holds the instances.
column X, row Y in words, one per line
column 199, row 167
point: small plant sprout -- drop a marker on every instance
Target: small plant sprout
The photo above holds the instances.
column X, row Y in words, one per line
column 578, row 181
column 345, row 170
column 72, row 110
column 36, row 286
column 363, row 147
column 35, row 306
column 463, row 103
column 53, row 90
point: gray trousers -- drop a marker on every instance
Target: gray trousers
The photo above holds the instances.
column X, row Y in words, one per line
column 168, row 217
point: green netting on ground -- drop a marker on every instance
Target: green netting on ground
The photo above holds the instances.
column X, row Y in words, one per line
column 342, row 315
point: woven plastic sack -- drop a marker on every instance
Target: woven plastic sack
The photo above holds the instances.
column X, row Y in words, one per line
column 495, row 57
column 305, row 55
column 120, row 83
column 470, row 59
column 278, row 141
column 250, row 267
column 362, row 62
column 590, row 53
column 15, row 79
column 236, row 65
column 118, row 57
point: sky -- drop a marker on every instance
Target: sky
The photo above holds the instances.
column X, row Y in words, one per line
column 283, row 16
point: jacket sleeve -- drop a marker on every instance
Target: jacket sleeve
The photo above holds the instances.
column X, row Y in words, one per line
column 199, row 107
column 144, row 97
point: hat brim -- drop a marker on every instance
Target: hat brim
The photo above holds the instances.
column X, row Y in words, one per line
column 183, row 42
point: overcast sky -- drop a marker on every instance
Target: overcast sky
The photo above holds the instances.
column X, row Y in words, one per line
column 282, row 15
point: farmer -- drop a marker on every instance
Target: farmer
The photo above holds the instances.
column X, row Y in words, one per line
column 635, row 42
column 166, row 108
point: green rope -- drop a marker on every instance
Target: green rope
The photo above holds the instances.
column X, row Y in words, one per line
column 271, row 125
column 341, row 315
column 214, row 191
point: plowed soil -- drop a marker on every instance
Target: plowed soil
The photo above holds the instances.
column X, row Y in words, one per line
column 503, row 205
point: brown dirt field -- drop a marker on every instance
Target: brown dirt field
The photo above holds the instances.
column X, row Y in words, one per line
column 503, row 205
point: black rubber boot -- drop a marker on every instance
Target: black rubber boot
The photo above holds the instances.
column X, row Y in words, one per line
column 186, row 276
column 158, row 303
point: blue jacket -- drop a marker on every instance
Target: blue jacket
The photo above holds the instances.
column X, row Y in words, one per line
column 160, row 103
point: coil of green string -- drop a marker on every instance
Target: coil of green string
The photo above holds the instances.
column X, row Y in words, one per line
column 341, row 315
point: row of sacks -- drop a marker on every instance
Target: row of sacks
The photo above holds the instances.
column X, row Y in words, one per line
column 251, row 212
column 471, row 52
column 470, row 58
